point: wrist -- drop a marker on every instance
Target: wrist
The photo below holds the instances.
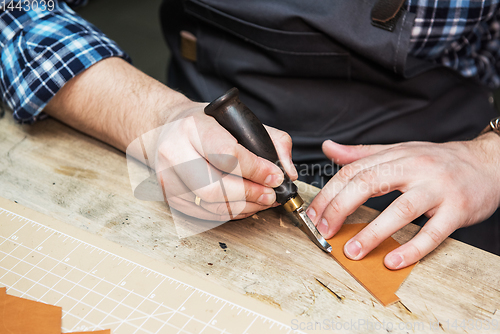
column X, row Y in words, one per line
column 159, row 107
column 178, row 108
column 486, row 147
column 489, row 143
column 116, row 103
column 166, row 107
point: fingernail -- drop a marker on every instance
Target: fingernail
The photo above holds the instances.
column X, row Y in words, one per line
column 352, row 249
column 311, row 213
column 323, row 226
column 328, row 142
column 395, row 260
column 273, row 180
column 266, row 199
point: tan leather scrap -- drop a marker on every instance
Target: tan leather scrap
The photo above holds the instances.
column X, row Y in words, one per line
column 370, row 271
column 24, row 316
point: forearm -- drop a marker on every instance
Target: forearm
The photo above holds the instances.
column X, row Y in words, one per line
column 115, row 102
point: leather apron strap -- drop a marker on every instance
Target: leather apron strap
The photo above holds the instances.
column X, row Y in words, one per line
column 385, row 13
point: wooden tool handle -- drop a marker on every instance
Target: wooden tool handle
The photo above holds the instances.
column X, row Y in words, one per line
column 242, row 123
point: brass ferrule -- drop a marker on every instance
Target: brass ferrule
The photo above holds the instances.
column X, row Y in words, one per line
column 293, row 203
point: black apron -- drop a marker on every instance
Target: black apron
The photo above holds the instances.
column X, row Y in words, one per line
column 321, row 70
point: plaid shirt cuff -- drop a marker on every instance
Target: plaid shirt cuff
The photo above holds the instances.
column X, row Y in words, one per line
column 41, row 51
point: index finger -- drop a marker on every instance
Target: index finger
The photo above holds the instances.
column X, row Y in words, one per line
column 406, row 208
column 340, row 180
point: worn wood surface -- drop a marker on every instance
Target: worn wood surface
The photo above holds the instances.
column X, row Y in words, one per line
column 64, row 174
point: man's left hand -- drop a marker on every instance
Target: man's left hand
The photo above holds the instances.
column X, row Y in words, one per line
column 455, row 184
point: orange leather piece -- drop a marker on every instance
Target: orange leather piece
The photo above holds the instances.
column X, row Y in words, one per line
column 24, row 316
column 370, row 271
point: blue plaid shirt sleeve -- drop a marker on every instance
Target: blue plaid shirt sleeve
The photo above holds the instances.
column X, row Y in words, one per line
column 462, row 35
column 41, row 50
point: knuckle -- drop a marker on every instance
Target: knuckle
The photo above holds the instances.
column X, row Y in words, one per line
column 371, row 234
column 346, row 173
column 221, row 210
column 434, row 235
column 225, row 150
column 257, row 166
column 335, row 206
column 404, row 208
column 361, row 147
column 223, row 162
column 210, row 193
column 321, row 198
column 450, row 179
column 184, row 126
column 425, row 161
column 465, row 204
column 220, row 217
column 367, row 176
column 413, row 251
column 165, row 151
column 248, row 192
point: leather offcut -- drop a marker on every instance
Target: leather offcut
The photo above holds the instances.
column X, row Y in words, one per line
column 24, row 316
column 370, row 271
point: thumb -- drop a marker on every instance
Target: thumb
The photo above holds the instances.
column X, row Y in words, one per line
column 345, row 154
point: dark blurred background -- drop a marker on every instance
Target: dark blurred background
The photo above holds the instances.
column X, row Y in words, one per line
column 135, row 26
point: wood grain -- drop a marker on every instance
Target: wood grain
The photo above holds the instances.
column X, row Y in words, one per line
column 64, row 174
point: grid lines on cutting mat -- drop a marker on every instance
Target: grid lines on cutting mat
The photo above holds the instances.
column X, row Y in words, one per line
column 98, row 289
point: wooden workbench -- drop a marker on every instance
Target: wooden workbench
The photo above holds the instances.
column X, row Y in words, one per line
column 64, row 174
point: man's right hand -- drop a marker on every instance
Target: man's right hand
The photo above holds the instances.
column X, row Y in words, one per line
column 116, row 103
column 248, row 180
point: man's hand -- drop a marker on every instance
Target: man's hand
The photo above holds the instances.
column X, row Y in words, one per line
column 194, row 143
column 117, row 103
column 455, row 184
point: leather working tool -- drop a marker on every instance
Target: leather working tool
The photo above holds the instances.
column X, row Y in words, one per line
column 242, row 123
